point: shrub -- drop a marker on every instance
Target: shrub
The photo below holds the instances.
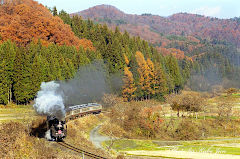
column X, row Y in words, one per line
column 225, row 108
column 137, row 118
column 187, row 130
column 186, row 101
column 16, row 143
column 110, row 100
column 231, row 91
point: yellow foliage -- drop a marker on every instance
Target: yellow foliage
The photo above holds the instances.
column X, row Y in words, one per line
column 144, row 77
column 152, row 76
column 129, row 86
column 126, row 59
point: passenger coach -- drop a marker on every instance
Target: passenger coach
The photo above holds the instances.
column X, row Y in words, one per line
column 80, row 110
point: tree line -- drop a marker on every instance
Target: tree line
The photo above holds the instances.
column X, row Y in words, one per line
column 132, row 55
column 24, row 67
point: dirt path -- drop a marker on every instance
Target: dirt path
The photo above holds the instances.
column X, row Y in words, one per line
column 97, row 138
column 183, row 154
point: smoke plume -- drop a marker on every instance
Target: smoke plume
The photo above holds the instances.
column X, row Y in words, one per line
column 49, row 101
column 89, row 85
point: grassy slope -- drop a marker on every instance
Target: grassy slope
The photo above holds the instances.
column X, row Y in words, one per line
column 213, row 145
column 17, row 113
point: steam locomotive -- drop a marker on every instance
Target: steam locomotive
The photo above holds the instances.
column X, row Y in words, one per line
column 57, row 128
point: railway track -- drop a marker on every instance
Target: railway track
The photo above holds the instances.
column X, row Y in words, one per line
column 83, row 152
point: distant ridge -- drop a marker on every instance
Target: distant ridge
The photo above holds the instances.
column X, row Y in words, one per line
column 150, row 27
column 102, row 11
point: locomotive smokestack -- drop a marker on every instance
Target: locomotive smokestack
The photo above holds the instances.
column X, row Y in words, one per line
column 49, row 101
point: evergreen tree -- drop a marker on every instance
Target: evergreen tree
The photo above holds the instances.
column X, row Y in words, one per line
column 37, row 76
column 54, row 11
column 7, row 57
column 161, row 82
column 4, row 95
column 174, row 72
column 65, row 17
column 185, row 69
column 22, row 77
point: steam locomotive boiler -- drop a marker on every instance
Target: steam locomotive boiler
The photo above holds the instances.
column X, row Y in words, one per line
column 57, row 129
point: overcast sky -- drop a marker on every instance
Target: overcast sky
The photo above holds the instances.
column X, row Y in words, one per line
column 213, row 8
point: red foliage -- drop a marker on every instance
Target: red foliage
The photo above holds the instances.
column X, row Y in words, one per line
column 22, row 21
column 148, row 27
column 150, row 121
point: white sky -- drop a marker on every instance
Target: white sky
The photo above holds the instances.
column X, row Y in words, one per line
column 213, row 8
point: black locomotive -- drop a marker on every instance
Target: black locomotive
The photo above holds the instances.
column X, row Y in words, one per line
column 56, row 129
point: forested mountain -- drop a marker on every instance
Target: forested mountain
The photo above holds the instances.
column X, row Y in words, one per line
column 37, row 46
column 190, row 34
column 152, row 27
column 211, row 43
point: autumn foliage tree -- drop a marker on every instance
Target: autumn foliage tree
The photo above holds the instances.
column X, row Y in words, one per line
column 191, row 102
column 150, row 122
column 23, row 21
column 149, row 78
column 42, row 48
column 152, row 76
column 144, row 84
column 128, row 88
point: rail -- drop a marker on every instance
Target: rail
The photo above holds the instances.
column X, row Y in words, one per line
column 83, row 152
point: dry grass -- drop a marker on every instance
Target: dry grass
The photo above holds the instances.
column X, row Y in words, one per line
column 17, row 143
column 189, row 125
column 78, row 133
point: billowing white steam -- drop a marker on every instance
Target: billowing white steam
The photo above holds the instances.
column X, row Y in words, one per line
column 48, row 101
column 48, row 135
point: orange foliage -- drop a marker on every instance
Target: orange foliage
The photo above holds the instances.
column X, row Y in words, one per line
column 87, row 44
column 175, row 52
column 22, row 21
column 151, row 121
column 128, row 88
column 153, row 28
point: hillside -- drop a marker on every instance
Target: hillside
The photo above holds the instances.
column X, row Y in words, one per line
column 23, row 21
column 153, row 27
column 36, row 46
column 210, row 42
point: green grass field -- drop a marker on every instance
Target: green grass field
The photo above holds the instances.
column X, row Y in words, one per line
column 204, row 146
